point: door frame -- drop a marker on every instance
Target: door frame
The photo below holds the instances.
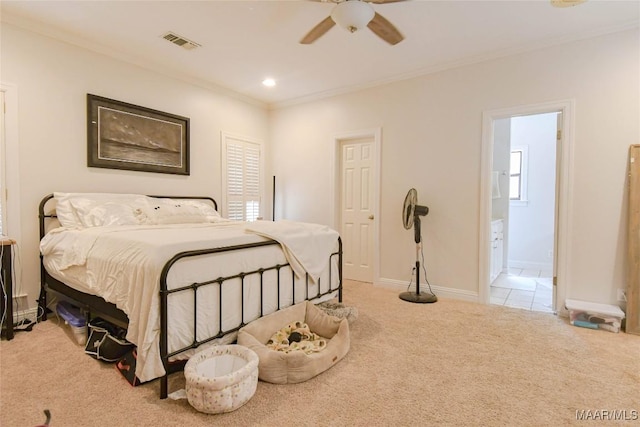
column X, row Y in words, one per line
column 563, row 202
column 336, row 142
column 12, row 224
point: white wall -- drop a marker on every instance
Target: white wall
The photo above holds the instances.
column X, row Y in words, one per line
column 52, row 80
column 531, row 221
column 431, row 131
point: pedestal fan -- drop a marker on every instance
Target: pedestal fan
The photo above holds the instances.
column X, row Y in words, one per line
column 411, row 213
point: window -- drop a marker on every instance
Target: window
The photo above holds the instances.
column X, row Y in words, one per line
column 242, row 178
column 518, row 175
column 515, row 176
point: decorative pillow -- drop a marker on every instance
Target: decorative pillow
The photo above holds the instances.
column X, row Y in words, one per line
column 65, row 212
column 108, row 213
column 178, row 211
column 99, row 209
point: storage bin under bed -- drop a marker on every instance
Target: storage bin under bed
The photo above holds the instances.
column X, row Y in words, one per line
column 73, row 317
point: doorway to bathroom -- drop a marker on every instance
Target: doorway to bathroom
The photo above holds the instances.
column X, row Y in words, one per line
column 523, row 210
column 524, row 167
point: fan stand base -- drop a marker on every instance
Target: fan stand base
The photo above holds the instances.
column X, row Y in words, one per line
column 422, row 298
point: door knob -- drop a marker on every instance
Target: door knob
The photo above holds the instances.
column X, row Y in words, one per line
column 370, row 216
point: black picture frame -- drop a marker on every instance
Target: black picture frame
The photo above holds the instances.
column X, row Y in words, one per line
column 130, row 137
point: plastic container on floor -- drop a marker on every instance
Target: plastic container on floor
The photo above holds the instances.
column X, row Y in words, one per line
column 594, row 315
column 73, row 317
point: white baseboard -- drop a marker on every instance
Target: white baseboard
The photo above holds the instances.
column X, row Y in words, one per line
column 30, row 314
column 439, row 291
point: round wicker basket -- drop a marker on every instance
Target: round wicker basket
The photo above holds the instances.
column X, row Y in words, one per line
column 221, row 378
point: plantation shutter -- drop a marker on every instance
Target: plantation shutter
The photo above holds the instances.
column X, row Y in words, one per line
column 243, row 183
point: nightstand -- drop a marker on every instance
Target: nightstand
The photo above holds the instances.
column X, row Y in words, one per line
column 6, row 309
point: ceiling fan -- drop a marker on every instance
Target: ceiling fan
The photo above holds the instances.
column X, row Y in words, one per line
column 354, row 15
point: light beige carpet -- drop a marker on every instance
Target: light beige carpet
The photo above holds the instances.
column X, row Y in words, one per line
column 449, row 363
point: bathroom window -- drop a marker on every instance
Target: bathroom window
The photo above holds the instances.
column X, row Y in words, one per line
column 518, row 175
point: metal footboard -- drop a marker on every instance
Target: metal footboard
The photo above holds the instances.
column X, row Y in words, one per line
column 219, row 284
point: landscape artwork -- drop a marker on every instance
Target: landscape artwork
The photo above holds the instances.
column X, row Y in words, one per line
column 125, row 136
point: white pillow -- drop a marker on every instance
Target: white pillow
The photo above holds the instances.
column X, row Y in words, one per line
column 179, row 211
column 109, row 213
column 99, row 209
column 65, row 212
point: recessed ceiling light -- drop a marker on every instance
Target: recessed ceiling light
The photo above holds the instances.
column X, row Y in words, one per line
column 269, row 82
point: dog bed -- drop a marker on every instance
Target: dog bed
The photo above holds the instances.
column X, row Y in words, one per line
column 280, row 367
column 221, row 378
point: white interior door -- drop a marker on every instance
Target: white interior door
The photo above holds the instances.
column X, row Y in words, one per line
column 357, row 208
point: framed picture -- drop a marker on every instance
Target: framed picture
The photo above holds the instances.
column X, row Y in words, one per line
column 126, row 136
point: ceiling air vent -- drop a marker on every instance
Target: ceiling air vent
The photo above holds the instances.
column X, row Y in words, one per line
column 180, row 41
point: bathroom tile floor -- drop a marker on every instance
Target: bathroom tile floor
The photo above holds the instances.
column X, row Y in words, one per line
column 526, row 289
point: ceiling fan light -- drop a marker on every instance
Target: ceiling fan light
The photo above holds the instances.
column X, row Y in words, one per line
column 352, row 15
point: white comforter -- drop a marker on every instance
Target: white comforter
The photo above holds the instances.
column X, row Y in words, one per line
column 122, row 264
column 306, row 246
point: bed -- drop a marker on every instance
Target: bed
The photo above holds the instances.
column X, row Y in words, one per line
column 174, row 273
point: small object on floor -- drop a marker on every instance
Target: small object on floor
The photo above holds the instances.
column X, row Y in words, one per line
column 339, row 310
column 585, row 324
column 25, row 325
column 48, row 415
column 106, row 341
column 127, row 367
column 178, row 394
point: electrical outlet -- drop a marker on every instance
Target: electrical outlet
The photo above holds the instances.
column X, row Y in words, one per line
column 622, row 295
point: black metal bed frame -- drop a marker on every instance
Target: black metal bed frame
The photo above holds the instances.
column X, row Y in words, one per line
column 94, row 305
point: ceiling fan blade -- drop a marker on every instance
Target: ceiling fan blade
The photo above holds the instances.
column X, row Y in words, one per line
column 385, row 29
column 318, row 31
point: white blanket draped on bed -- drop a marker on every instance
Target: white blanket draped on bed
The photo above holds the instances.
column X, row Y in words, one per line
column 307, row 246
column 122, row 264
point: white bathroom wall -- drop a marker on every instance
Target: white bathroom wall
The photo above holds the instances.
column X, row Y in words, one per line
column 531, row 221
